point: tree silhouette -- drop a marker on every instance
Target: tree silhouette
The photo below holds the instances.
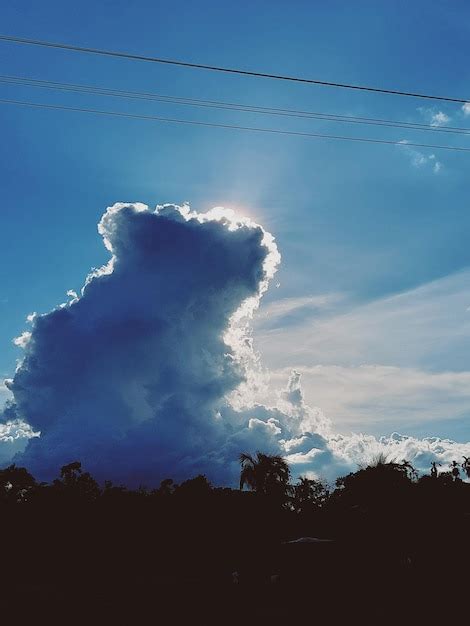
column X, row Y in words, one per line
column 455, row 470
column 265, row 474
column 194, row 487
column 308, row 493
column 77, row 484
column 409, row 470
column 167, row 488
column 381, row 530
column 380, row 484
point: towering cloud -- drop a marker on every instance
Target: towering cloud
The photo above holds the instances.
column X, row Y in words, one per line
column 130, row 376
column 146, row 373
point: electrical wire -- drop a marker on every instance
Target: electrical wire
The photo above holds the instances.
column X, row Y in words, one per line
column 231, row 106
column 232, row 126
column 216, row 68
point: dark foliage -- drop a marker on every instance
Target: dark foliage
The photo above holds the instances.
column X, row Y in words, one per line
column 266, row 474
column 383, row 536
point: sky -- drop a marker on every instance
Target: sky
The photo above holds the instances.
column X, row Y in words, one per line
column 371, row 300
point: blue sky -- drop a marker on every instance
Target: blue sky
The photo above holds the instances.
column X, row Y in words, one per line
column 373, row 239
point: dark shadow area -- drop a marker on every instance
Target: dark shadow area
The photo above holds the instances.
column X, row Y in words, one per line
column 383, row 542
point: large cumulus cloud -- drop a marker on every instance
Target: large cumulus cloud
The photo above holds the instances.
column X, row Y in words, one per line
column 130, row 376
column 150, row 371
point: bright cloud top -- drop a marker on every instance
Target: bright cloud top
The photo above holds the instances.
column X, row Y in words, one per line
column 148, row 372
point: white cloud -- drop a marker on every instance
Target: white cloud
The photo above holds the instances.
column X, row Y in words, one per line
column 425, row 326
column 466, row 108
column 360, row 449
column 276, row 312
column 14, row 436
column 379, row 398
column 439, row 119
column 135, row 375
column 23, row 340
column 385, row 363
column 16, row 429
column 419, row 159
column 434, row 116
column 4, row 393
column 141, row 363
column 321, row 452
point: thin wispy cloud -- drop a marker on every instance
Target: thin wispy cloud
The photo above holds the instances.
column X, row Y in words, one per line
column 393, row 361
column 428, row 325
column 420, row 160
column 292, row 310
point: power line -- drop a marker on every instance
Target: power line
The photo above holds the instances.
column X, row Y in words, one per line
column 230, row 106
column 216, row 68
column 275, row 131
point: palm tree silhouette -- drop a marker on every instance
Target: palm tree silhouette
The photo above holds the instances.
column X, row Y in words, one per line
column 409, row 470
column 266, row 474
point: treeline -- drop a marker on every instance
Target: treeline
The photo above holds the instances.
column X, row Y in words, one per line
column 380, row 530
column 266, row 475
